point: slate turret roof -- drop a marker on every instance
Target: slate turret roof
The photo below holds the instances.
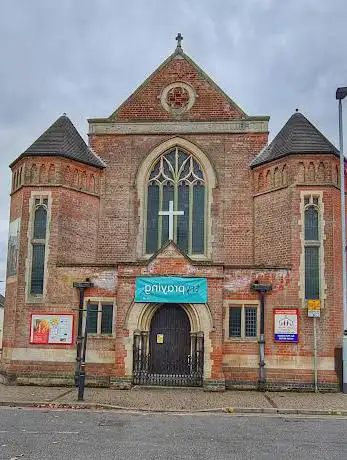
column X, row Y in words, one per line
column 298, row 135
column 62, row 139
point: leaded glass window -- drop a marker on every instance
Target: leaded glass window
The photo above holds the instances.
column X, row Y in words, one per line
column 311, row 223
column 250, row 321
column 312, row 272
column 40, row 223
column 312, row 244
column 235, row 322
column 99, row 318
column 38, row 243
column 106, row 319
column 243, row 321
column 92, row 320
column 38, row 268
column 178, row 177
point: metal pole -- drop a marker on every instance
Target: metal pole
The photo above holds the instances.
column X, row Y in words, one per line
column 82, row 370
column 315, row 365
column 79, row 335
column 262, row 377
column 343, row 236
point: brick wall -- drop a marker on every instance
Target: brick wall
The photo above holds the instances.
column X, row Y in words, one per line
column 209, row 105
column 232, row 213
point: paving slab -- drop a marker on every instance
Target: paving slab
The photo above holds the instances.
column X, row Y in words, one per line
column 171, row 399
column 31, row 393
column 307, row 401
column 177, row 399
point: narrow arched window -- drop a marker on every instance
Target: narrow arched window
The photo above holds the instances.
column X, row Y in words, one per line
column 33, row 174
column 51, row 174
column 42, row 174
column 92, row 183
column 38, row 242
column 312, row 243
column 178, row 178
column 84, row 180
column 67, row 175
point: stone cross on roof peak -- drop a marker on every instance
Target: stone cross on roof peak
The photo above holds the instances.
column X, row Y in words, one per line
column 179, row 39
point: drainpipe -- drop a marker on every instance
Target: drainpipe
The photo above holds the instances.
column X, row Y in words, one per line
column 262, row 289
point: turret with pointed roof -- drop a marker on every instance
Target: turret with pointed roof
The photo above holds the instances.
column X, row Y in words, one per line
column 62, row 139
column 298, row 136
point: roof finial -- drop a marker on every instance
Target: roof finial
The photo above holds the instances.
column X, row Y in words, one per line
column 296, row 110
column 64, row 114
column 179, row 39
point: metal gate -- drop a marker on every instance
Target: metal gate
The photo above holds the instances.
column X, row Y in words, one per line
column 169, row 354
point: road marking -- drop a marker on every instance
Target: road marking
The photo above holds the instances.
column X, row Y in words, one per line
column 40, row 432
column 67, row 432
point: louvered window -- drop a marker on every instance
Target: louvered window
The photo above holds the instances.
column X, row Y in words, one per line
column 38, row 243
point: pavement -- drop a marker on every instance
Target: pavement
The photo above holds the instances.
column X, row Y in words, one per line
column 156, row 399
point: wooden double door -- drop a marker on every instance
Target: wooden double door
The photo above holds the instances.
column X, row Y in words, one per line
column 169, row 354
column 169, row 341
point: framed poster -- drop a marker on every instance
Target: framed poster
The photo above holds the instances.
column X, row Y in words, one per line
column 286, row 325
column 47, row 329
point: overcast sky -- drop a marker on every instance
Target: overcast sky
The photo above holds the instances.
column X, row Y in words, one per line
column 85, row 57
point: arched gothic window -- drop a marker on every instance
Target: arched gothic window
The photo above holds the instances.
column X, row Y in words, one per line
column 176, row 177
column 38, row 242
column 312, row 243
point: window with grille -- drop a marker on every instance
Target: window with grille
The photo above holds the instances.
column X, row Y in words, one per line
column 38, row 244
column 312, row 246
column 176, row 176
column 100, row 317
column 243, row 321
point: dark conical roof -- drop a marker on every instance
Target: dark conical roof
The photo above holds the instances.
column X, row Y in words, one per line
column 63, row 139
column 298, row 135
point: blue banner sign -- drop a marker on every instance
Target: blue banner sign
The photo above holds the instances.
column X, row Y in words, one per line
column 171, row 289
column 286, row 338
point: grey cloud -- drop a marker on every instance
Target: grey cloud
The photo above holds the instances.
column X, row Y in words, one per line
column 85, row 58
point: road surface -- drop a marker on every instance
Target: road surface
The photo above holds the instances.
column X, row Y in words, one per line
column 37, row 434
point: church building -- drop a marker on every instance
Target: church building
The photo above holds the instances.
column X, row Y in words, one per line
column 191, row 251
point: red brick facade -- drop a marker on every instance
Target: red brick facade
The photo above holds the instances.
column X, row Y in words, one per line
column 95, row 232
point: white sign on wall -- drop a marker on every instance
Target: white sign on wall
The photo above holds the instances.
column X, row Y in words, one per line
column 286, row 325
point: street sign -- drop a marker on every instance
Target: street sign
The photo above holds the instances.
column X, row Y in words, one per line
column 82, row 284
column 313, row 308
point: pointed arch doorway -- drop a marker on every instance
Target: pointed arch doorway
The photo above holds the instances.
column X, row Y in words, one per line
column 169, row 353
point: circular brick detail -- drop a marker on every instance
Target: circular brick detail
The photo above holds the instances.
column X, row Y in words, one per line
column 177, row 98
